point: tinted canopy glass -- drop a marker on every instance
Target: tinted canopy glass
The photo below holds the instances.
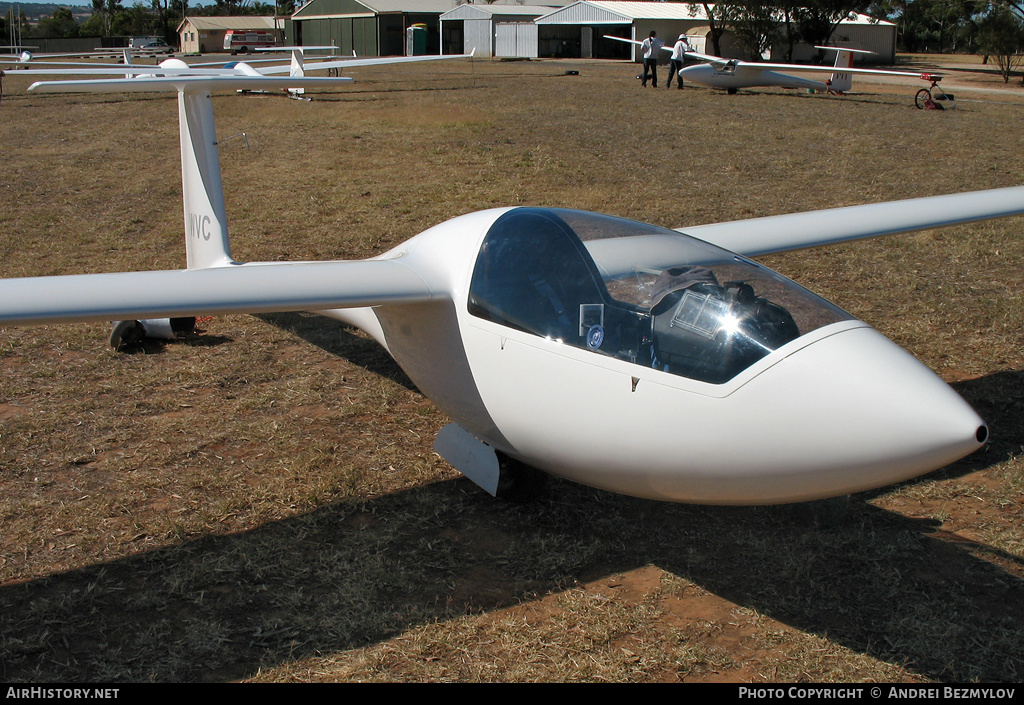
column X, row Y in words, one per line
column 638, row 292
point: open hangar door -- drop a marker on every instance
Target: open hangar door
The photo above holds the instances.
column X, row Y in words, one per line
column 609, row 48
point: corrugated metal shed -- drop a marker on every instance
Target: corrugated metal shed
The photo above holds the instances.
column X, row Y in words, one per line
column 864, row 32
column 613, row 12
column 618, row 11
column 361, row 8
column 478, row 28
column 516, row 40
column 483, row 12
column 368, row 27
column 578, row 30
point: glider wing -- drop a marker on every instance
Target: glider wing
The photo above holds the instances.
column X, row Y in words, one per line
column 781, row 233
column 236, row 288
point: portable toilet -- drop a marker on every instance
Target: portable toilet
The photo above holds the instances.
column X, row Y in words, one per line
column 416, row 40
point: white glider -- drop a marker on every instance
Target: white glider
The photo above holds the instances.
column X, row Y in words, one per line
column 733, row 74
column 295, row 68
column 616, row 354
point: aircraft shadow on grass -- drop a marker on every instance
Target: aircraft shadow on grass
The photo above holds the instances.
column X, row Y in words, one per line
column 155, row 346
column 353, row 574
column 340, row 340
column 999, row 399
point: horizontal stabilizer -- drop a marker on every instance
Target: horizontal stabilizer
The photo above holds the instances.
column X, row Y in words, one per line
column 781, row 233
column 852, row 51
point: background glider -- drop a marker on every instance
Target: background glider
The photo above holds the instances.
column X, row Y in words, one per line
column 733, row 74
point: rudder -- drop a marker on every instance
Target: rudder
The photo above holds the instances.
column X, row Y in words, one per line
column 841, row 82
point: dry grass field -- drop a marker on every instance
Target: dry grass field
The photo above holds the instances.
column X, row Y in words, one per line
column 260, row 501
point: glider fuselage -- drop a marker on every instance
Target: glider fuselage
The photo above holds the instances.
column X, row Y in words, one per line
column 831, row 409
column 744, row 76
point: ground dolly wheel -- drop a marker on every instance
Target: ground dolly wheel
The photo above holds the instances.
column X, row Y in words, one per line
column 518, row 482
column 923, row 97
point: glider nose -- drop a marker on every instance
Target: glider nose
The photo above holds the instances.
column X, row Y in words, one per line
column 872, row 415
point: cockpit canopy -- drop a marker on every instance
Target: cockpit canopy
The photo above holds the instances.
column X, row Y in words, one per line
column 638, row 292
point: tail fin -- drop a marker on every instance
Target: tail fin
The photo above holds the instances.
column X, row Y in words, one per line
column 206, row 220
column 297, row 70
column 841, row 81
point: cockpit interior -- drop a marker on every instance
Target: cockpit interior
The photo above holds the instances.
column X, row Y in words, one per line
column 637, row 292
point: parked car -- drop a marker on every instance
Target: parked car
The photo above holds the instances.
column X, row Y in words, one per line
column 158, row 47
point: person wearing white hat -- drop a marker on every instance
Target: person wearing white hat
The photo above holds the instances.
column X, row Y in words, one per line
column 675, row 67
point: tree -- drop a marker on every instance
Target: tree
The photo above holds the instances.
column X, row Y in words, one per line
column 932, row 25
column 160, row 8
column 719, row 16
column 93, row 27
column 951, row 20
column 789, row 33
column 102, row 19
column 60, row 24
column 756, row 27
column 1001, row 35
column 133, row 21
column 816, row 20
column 179, row 9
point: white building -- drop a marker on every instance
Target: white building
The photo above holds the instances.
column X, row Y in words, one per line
column 577, row 31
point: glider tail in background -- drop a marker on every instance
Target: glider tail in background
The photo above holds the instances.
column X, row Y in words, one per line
column 296, row 69
column 842, row 81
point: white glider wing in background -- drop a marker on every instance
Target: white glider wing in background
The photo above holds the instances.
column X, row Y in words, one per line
column 569, row 341
column 177, row 67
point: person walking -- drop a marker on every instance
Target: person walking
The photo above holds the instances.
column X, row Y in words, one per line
column 678, row 61
column 651, row 46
